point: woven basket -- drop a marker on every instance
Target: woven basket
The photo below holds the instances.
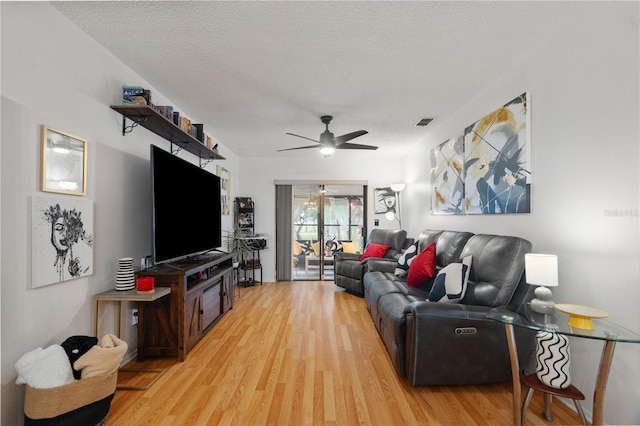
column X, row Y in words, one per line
column 40, row 404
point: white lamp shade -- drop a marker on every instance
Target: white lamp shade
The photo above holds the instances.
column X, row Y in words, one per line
column 389, row 216
column 541, row 269
column 397, row 187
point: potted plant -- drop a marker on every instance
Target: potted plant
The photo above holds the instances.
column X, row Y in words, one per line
column 238, row 242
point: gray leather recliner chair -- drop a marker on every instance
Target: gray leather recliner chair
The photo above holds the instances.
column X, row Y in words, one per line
column 349, row 270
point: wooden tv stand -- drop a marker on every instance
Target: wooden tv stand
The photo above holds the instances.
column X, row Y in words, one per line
column 201, row 292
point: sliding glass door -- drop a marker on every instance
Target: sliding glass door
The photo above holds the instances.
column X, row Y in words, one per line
column 324, row 217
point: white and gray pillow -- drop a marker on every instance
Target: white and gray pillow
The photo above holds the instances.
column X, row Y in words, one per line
column 450, row 284
column 402, row 267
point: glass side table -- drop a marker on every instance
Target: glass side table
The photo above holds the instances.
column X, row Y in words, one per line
column 522, row 316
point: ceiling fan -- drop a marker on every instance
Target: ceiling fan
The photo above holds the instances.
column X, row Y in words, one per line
column 329, row 143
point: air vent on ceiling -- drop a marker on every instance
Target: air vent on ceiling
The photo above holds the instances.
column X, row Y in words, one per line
column 423, row 122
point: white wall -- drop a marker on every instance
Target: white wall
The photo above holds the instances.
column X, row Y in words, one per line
column 54, row 74
column 584, row 89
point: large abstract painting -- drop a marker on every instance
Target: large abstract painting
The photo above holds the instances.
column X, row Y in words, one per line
column 487, row 168
column 447, row 177
column 62, row 239
column 497, row 161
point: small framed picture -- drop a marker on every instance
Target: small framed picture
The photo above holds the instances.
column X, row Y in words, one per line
column 64, row 162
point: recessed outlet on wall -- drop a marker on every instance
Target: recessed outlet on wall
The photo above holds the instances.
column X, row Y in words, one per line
column 134, row 316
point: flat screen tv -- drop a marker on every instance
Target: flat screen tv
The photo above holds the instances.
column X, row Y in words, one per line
column 186, row 208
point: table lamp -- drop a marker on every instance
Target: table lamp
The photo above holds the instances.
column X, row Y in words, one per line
column 542, row 270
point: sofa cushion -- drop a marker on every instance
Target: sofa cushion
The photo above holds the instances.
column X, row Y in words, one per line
column 450, row 245
column 498, row 268
column 427, row 237
column 333, row 246
column 348, row 247
column 305, row 245
column 402, row 268
column 374, row 250
column 423, row 267
column 450, row 284
column 376, row 285
column 396, row 239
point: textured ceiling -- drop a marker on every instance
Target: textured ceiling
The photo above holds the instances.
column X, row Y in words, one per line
column 252, row 71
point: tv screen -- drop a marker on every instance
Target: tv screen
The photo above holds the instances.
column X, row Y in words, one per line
column 185, row 206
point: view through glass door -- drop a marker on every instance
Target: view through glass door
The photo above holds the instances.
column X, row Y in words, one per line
column 325, row 217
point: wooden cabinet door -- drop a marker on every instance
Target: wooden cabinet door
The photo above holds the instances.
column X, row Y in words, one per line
column 227, row 291
column 210, row 305
column 193, row 319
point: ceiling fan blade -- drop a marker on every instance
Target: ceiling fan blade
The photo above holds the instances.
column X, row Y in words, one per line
column 303, row 137
column 355, row 146
column 300, row 147
column 342, row 139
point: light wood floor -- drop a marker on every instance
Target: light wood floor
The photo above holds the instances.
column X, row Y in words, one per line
column 296, row 353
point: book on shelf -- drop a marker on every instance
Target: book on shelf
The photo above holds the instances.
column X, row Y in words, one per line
column 193, row 132
column 184, row 124
column 135, row 95
column 199, row 132
column 166, row 111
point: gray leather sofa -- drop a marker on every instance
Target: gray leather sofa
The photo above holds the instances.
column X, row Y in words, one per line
column 450, row 344
column 349, row 270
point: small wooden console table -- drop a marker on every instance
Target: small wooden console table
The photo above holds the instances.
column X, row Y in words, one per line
column 141, row 299
column 127, row 296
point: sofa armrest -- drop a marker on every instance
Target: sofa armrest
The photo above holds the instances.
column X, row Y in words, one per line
column 340, row 256
column 380, row 264
column 457, row 344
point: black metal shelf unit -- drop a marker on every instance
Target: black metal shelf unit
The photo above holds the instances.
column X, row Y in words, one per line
column 249, row 262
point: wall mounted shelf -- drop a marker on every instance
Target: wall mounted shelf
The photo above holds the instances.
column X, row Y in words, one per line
column 149, row 118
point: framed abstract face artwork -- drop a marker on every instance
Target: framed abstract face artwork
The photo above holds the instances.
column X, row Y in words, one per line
column 61, row 239
column 385, row 200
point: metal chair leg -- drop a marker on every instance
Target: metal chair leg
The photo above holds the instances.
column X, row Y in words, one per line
column 547, row 413
column 525, row 404
column 581, row 412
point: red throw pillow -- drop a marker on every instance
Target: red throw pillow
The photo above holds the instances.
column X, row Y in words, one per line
column 374, row 250
column 423, row 266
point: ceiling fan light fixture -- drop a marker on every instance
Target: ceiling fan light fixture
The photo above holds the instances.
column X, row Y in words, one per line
column 328, row 142
column 327, row 150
